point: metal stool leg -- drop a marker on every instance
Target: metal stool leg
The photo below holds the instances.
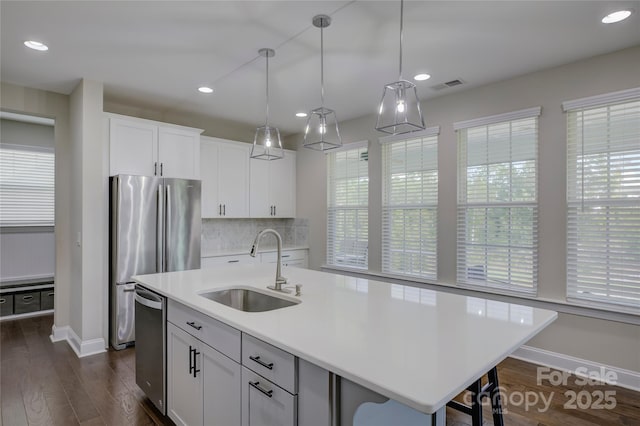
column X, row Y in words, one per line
column 496, row 403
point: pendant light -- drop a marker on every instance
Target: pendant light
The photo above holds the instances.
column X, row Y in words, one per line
column 399, row 110
column 266, row 143
column 321, row 132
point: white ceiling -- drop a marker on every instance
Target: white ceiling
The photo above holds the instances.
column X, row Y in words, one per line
column 156, row 54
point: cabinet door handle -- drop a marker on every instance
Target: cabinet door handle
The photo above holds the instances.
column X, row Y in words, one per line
column 224, row 210
column 190, row 359
column 256, row 385
column 275, row 210
column 219, row 209
column 195, row 362
column 155, row 168
column 194, row 325
column 261, row 362
column 161, row 166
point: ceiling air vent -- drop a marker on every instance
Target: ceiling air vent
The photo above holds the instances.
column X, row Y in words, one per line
column 452, row 83
column 364, row 156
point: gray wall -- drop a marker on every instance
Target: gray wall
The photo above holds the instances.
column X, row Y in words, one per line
column 27, row 253
column 599, row 340
column 52, row 105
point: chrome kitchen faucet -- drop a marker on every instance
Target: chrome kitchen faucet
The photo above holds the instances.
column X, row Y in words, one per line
column 280, row 280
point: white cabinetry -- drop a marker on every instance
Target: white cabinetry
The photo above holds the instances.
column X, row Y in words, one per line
column 297, row 258
column 273, row 187
column 203, row 369
column 150, row 148
column 224, row 167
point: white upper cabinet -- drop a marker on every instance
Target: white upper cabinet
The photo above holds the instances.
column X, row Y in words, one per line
column 224, row 169
column 149, row 148
column 273, row 187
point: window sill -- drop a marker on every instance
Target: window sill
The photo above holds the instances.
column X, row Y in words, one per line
column 537, row 302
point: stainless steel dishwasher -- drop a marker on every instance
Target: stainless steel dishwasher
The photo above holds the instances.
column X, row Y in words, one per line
column 150, row 328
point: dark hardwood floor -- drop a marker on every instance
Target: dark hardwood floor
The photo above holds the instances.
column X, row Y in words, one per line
column 44, row 383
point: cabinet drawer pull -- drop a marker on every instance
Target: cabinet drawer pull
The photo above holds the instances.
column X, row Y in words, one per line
column 50, row 294
column 25, row 298
column 256, row 385
column 261, row 362
column 3, row 301
column 193, row 324
column 233, row 261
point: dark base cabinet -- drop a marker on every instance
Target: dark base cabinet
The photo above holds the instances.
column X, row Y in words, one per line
column 6, row 304
column 21, row 300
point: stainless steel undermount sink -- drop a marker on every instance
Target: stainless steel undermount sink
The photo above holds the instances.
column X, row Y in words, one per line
column 246, row 300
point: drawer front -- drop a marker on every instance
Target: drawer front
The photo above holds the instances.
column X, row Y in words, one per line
column 270, row 362
column 46, row 299
column 287, row 255
column 26, row 302
column 209, row 262
column 264, row 403
column 6, row 304
column 214, row 333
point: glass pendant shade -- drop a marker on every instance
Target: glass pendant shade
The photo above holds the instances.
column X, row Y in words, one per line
column 399, row 110
column 267, row 144
column 321, row 132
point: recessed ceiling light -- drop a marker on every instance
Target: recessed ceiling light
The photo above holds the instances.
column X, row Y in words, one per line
column 301, row 114
column 616, row 16
column 421, row 77
column 36, row 45
column 205, row 89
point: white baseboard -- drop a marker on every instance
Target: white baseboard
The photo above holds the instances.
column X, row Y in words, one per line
column 82, row 348
column 625, row 378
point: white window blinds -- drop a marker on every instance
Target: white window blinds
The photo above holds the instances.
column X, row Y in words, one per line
column 497, row 202
column 26, row 186
column 348, row 206
column 603, row 197
column 410, row 204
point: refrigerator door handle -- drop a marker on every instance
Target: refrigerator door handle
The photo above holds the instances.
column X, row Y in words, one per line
column 159, row 233
column 167, row 225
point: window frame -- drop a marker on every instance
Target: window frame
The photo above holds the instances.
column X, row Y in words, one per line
column 526, row 282
column 427, row 212
column 358, row 257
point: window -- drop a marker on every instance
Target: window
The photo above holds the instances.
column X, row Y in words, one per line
column 348, row 206
column 603, row 199
column 410, row 204
column 497, row 201
column 26, row 186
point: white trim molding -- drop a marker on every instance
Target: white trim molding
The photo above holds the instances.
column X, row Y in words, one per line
column 498, row 118
column 580, row 367
column 607, row 98
column 81, row 347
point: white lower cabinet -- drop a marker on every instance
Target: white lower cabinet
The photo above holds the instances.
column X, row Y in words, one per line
column 203, row 384
column 185, row 393
column 221, row 383
column 266, row 404
column 246, row 382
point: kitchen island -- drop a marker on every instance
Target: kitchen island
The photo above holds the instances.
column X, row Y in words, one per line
column 416, row 347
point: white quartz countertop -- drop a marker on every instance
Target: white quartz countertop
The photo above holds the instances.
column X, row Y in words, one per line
column 417, row 346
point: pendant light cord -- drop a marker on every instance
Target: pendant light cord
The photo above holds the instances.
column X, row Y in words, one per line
column 401, row 33
column 322, row 67
column 266, row 120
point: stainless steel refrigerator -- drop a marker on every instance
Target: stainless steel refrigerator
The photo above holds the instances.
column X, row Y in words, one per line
column 155, row 227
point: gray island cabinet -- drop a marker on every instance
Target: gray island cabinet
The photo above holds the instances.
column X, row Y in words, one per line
column 210, row 383
column 346, row 351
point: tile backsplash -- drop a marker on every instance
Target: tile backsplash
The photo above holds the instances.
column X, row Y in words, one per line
column 231, row 234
